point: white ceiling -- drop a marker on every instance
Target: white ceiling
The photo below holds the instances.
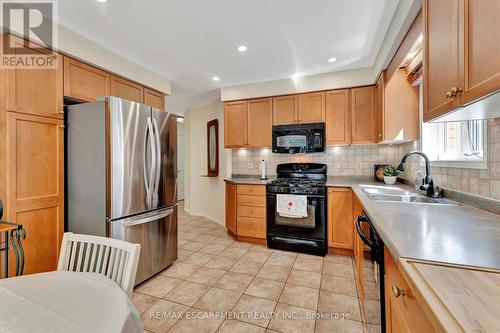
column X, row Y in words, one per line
column 189, row 41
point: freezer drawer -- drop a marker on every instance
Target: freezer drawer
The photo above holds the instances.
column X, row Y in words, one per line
column 156, row 232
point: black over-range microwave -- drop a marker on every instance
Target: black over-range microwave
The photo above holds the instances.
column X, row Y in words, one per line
column 302, row 138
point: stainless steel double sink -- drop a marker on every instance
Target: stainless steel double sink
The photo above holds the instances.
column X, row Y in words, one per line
column 396, row 194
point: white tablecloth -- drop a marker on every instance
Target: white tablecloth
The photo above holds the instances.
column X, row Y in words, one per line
column 65, row 302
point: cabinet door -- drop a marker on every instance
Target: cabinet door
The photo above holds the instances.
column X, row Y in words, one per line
column 285, row 110
column 36, row 91
column 154, row 99
column 441, row 55
column 231, row 207
column 400, row 109
column 379, row 108
column 35, row 179
column 127, row 90
column 337, row 117
column 394, row 318
column 260, row 121
column 340, row 219
column 363, row 115
column 235, row 124
column 84, row 82
column 312, row 108
column 482, row 48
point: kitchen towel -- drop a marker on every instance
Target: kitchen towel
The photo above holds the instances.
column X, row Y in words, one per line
column 294, row 206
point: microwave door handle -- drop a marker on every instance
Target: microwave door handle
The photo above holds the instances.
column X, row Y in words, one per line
column 158, row 164
column 361, row 232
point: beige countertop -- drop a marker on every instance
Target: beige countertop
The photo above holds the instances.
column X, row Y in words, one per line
column 460, row 235
column 455, row 298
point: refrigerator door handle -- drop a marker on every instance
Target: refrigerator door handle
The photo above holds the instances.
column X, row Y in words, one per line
column 150, row 217
column 158, row 164
column 149, row 184
column 146, row 182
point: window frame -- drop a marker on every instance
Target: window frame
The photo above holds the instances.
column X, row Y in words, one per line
column 462, row 164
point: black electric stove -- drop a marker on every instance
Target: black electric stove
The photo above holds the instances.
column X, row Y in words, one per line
column 305, row 234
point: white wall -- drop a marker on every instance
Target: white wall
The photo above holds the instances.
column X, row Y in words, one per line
column 204, row 196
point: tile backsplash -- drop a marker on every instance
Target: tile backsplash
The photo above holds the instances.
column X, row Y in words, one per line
column 359, row 161
column 341, row 161
column 483, row 182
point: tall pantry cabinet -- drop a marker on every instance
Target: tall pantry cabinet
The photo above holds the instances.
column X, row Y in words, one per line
column 31, row 160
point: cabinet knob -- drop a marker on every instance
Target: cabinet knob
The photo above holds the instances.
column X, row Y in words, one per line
column 62, row 126
column 250, row 212
column 61, row 111
column 250, row 190
column 250, row 222
column 250, row 200
column 453, row 92
column 397, row 291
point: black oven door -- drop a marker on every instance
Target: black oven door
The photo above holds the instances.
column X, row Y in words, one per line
column 306, row 234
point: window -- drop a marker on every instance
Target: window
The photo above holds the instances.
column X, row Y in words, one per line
column 456, row 144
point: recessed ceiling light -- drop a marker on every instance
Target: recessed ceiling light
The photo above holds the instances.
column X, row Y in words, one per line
column 332, row 59
column 215, row 78
column 102, row 1
column 242, row 48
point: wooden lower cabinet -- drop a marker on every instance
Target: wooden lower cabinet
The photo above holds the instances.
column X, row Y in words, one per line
column 246, row 211
column 403, row 312
column 231, row 207
column 35, row 183
column 340, row 218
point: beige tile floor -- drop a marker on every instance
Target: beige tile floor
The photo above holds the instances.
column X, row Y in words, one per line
column 221, row 285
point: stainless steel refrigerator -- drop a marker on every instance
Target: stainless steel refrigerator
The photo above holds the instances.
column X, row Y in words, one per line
column 121, row 165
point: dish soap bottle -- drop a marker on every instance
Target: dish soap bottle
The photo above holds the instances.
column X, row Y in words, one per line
column 419, row 180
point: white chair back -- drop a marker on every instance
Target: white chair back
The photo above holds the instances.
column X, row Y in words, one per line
column 113, row 258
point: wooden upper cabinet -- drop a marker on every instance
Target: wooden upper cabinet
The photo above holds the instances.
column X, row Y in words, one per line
column 312, row 107
column 441, row 55
column 379, row 108
column 337, row 117
column 126, row 89
column 363, row 114
column 231, row 207
column 154, row 99
column 235, row 124
column 397, row 112
column 260, row 120
column 482, row 48
column 340, row 218
column 461, row 48
column 84, row 82
column 36, row 91
column 285, row 110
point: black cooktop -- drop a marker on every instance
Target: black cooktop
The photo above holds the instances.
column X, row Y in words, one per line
column 299, row 178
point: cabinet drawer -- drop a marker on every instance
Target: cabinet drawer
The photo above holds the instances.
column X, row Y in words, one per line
column 251, row 189
column 251, row 200
column 246, row 211
column 251, row 227
column 408, row 305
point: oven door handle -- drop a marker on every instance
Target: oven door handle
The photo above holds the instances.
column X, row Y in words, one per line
column 361, row 233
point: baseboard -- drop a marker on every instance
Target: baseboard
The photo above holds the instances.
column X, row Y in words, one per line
column 208, row 217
